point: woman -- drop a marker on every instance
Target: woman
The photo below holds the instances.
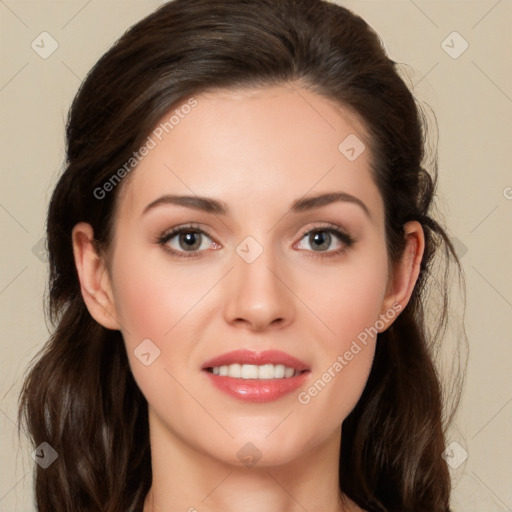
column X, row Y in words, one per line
column 239, row 250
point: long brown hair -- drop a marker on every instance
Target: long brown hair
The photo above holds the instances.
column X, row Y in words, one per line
column 80, row 395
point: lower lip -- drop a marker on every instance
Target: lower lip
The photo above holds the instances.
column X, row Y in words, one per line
column 256, row 390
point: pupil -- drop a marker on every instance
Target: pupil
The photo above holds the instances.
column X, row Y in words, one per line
column 190, row 240
column 322, row 239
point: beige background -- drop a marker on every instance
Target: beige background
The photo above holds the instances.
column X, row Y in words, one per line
column 472, row 98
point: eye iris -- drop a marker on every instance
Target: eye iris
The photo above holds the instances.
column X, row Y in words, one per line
column 320, row 239
column 190, row 240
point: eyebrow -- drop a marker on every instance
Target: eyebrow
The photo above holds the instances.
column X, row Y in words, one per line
column 214, row 206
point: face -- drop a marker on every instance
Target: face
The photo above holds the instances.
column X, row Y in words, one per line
column 249, row 273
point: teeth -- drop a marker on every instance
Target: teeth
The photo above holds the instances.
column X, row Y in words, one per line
column 265, row 371
column 249, row 371
column 252, row 371
column 279, row 371
column 288, row 372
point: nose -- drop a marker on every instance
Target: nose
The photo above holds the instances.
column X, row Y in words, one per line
column 258, row 295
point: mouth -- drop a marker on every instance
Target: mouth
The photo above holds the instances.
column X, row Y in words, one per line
column 256, row 376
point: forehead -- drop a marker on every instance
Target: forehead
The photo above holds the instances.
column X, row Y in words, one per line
column 253, row 147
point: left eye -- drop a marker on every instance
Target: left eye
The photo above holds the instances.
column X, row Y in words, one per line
column 188, row 240
column 321, row 240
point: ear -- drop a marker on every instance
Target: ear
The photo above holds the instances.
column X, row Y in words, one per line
column 405, row 272
column 94, row 278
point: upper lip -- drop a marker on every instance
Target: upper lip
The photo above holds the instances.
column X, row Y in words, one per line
column 256, row 358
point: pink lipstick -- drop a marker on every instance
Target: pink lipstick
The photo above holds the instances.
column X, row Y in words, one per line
column 256, row 376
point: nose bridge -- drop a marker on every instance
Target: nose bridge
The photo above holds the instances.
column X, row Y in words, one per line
column 257, row 298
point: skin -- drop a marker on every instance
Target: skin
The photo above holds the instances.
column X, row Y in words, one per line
column 257, row 150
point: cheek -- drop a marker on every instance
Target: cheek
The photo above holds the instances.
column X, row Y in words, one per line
column 153, row 303
column 348, row 298
column 350, row 307
column 164, row 303
column 142, row 308
column 152, row 296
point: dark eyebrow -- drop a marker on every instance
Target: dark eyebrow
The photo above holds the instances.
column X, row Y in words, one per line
column 198, row 203
column 220, row 208
column 308, row 203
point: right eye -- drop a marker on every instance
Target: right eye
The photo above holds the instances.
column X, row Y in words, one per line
column 187, row 239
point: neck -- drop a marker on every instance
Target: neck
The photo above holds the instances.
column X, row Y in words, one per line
column 185, row 479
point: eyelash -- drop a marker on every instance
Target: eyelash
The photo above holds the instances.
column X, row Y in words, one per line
column 332, row 229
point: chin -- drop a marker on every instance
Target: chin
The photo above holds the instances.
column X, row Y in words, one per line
column 260, row 451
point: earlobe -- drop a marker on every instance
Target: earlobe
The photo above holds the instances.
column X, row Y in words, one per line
column 407, row 270
column 93, row 275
